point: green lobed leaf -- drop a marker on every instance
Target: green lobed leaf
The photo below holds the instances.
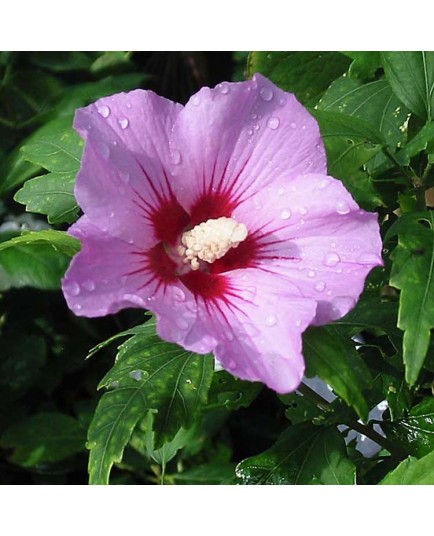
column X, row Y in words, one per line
column 334, row 359
column 43, row 438
column 412, row 472
column 411, row 75
column 307, row 74
column 304, row 454
column 51, row 194
column 149, row 375
column 414, row 432
column 413, row 273
column 364, row 65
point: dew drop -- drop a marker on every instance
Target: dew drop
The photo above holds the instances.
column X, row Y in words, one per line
column 285, row 214
column 175, row 157
column 331, row 259
column 78, row 307
column 298, row 323
column 266, row 94
column 125, row 176
column 104, row 150
column 224, row 88
column 273, row 123
column 73, row 288
column 250, row 132
column 123, row 123
column 271, row 320
column 302, row 211
column 112, row 215
column 182, row 323
column 293, row 125
column 319, row 286
column 256, row 128
column 282, row 101
column 280, row 191
column 136, row 375
column 89, row 285
column 311, row 273
column 342, row 208
column 178, row 295
column 323, row 183
column 104, row 111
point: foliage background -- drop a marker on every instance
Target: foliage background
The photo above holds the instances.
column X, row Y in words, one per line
column 375, row 112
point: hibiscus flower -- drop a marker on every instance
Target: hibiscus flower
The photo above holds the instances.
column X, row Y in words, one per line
column 220, row 218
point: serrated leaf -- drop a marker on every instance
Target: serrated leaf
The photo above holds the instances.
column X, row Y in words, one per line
column 412, row 472
column 375, row 103
column 414, row 432
column 413, row 273
column 149, row 375
column 411, row 75
column 334, row 359
column 51, row 194
column 304, row 454
column 307, row 74
column 43, row 438
column 57, row 147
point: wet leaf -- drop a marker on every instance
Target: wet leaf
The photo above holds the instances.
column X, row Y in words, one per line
column 412, row 471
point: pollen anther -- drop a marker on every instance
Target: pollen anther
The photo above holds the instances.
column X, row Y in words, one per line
column 211, row 240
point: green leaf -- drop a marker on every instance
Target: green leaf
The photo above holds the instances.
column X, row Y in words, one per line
column 149, row 374
column 365, row 64
column 56, row 147
column 412, row 471
column 14, row 170
column 231, row 393
column 43, row 438
column 307, row 74
column 334, row 359
column 115, row 61
column 211, row 473
column 61, row 61
column 411, row 75
column 304, row 454
column 422, row 141
column 50, row 194
column 58, row 240
column 413, row 273
column 375, row 103
column 415, row 432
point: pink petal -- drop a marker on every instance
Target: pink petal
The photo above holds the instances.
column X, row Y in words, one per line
column 109, row 274
column 256, row 331
column 238, row 138
column 312, row 232
column 124, row 177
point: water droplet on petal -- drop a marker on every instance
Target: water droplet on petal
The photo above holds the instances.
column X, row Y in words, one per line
column 311, row 273
column 104, row 150
column 89, row 285
column 175, row 157
column 280, row 191
column 112, row 215
column 282, row 101
column 331, row 259
column 302, row 211
column 323, row 183
column 270, row 321
column 342, row 208
column 273, row 123
column 293, row 125
column 285, row 214
column 182, row 323
column 266, row 93
column 256, row 128
column 104, row 111
column 298, row 323
column 223, row 88
column 123, row 123
column 178, row 295
column 136, row 375
column 72, row 288
column 319, row 286
column 125, row 176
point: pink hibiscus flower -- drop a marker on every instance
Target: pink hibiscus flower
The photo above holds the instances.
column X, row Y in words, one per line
column 220, row 218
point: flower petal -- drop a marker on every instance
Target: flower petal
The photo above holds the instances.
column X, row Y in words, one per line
column 310, row 230
column 236, row 139
column 123, row 184
column 255, row 332
column 109, row 274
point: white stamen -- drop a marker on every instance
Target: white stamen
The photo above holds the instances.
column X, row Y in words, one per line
column 211, row 240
